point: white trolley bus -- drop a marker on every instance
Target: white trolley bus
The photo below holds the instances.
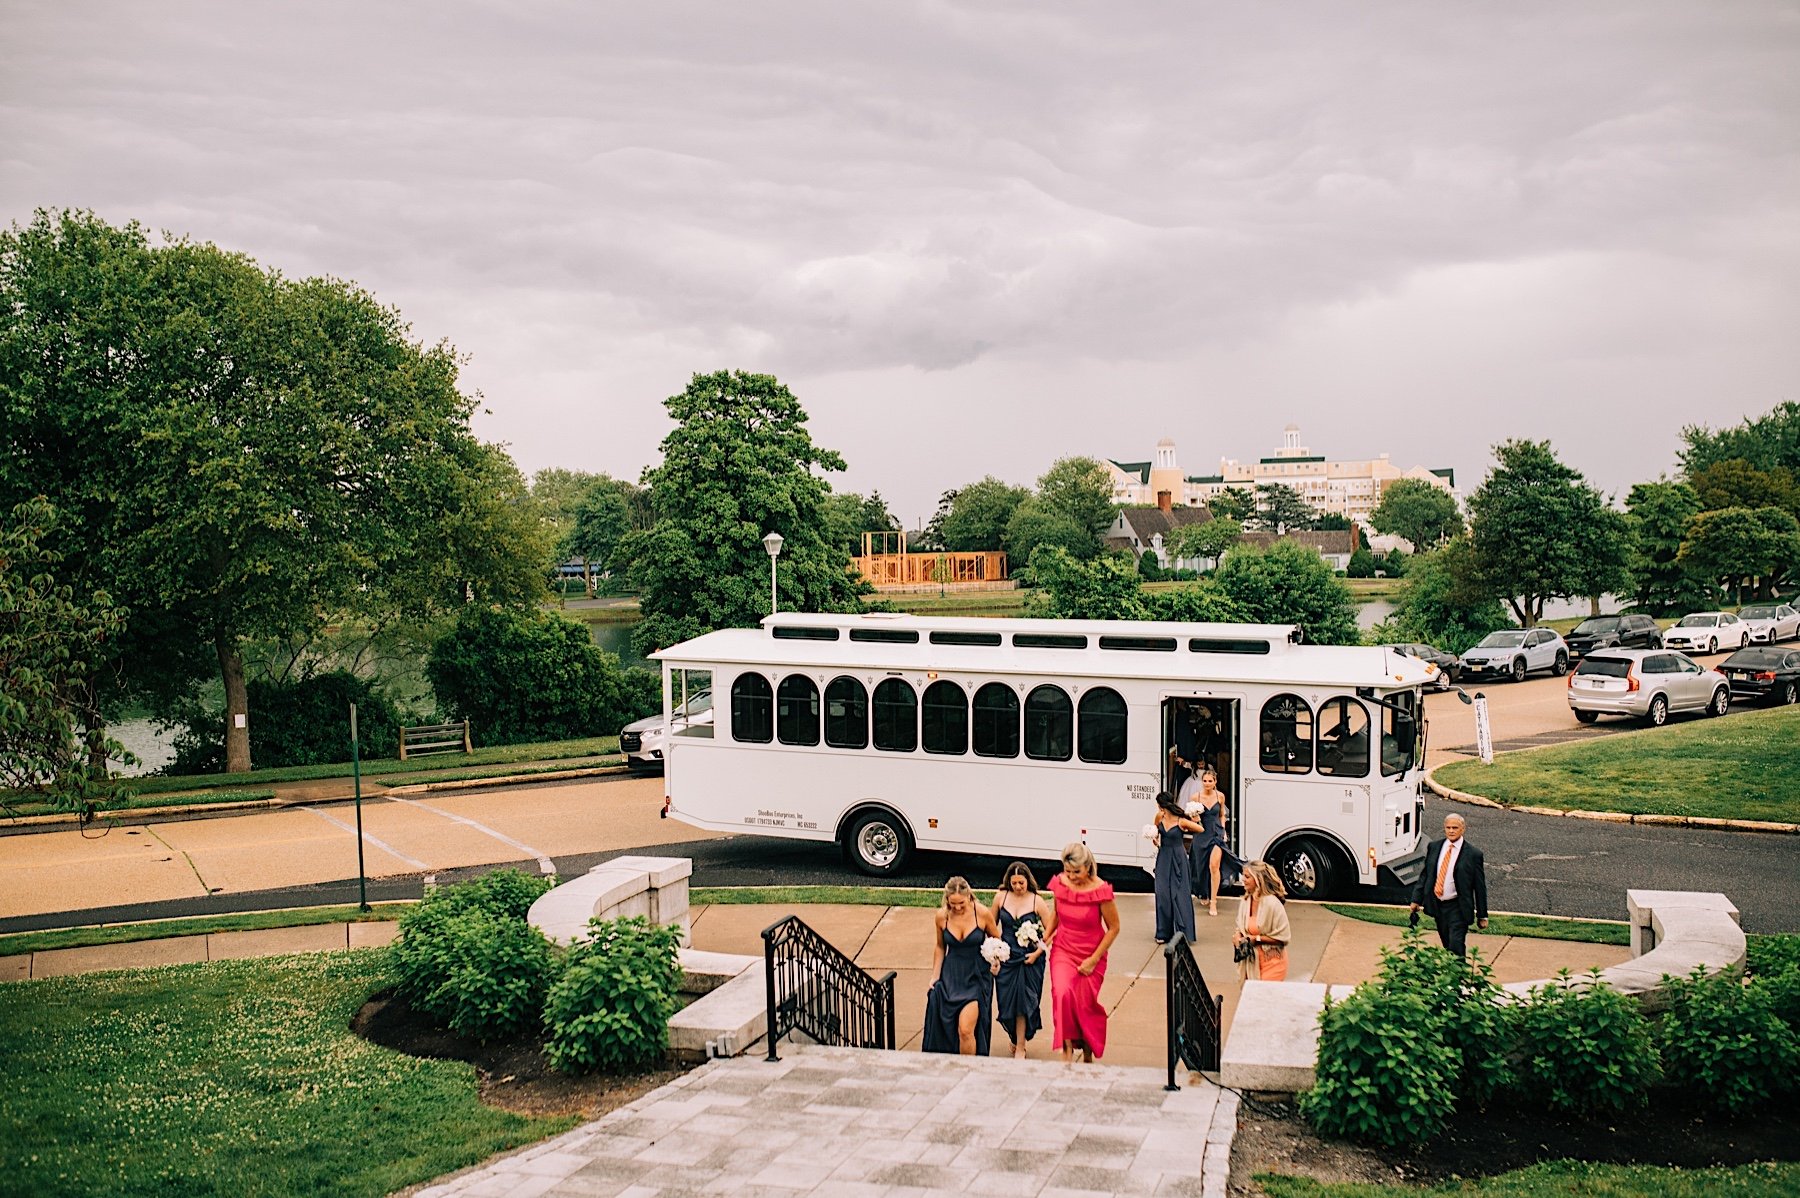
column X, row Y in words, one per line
column 888, row 732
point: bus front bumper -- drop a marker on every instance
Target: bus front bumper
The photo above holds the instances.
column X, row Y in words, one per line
column 1403, row 871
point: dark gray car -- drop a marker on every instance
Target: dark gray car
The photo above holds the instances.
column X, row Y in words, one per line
column 1627, row 631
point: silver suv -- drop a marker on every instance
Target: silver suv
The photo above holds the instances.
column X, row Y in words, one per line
column 643, row 742
column 1647, row 684
column 1516, row 652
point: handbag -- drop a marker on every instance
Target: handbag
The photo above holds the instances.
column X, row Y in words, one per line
column 1242, row 951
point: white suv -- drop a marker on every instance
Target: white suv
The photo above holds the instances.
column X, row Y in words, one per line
column 1707, row 632
column 1647, row 684
column 1516, row 652
column 643, row 742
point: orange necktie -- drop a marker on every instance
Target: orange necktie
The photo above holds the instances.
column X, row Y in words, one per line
column 1443, row 872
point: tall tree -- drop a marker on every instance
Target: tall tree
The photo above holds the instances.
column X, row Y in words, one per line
column 1078, row 491
column 559, row 494
column 1767, row 442
column 602, row 520
column 1069, row 588
column 1281, row 509
column 1737, row 547
column 240, row 455
column 1602, row 553
column 739, row 464
column 848, row 516
column 1441, row 603
column 1033, row 525
column 1233, row 503
column 976, row 520
column 1423, row 514
column 1734, row 482
column 1528, row 527
column 1290, row 584
column 1656, row 518
column 1209, row 539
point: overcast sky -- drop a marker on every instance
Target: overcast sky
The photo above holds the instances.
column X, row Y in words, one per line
column 973, row 238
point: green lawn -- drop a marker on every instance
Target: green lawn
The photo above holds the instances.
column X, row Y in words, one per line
column 125, row 933
column 1741, row 767
column 1592, row 931
column 19, row 808
column 1568, row 1179
column 233, row 1078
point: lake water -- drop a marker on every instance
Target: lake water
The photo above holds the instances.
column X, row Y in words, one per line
column 1376, row 610
column 616, row 638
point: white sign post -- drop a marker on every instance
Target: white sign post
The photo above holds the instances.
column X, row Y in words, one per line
column 1484, row 732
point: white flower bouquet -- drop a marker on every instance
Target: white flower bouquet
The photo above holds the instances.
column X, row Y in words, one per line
column 1150, row 833
column 1030, row 933
column 1194, row 809
column 995, row 950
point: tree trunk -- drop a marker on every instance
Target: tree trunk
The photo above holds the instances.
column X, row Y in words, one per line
column 1593, row 605
column 237, row 704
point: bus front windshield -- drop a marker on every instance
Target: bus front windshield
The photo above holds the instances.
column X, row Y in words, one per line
column 1399, row 733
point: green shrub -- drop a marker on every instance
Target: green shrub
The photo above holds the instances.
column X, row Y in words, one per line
column 1725, row 1042
column 504, row 892
column 1383, row 1073
column 1584, row 1048
column 610, row 1007
column 467, row 958
column 304, row 721
column 1782, row 991
column 1768, row 956
column 1466, row 1010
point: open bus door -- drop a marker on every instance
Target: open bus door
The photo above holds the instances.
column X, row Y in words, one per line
column 1202, row 730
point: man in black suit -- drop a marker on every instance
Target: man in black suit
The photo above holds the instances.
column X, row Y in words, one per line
column 1453, row 888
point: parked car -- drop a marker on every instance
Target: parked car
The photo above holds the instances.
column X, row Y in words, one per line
column 643, row 741
column 1614, row 632
column 1772, row 675
column 1516, row 652
column 1448, row 664
column 1705, row 631
column 1771, row 622
column 1648, row 684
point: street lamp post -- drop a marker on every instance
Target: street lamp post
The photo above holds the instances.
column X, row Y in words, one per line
column 772, row 543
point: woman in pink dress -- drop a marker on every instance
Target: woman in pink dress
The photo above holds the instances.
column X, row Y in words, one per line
column 1083, row 926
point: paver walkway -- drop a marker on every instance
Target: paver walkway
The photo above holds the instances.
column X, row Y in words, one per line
column 848, row 1123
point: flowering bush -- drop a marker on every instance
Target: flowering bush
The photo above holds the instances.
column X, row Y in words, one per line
column 610, row 1008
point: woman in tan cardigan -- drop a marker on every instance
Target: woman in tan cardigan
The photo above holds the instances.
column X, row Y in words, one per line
column 1262, row 923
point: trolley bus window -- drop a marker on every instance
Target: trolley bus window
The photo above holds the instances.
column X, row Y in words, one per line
column 1049, row 724
column 797, row 711
column 1287, row 728
column 896, row 716
column 846, row 714
column 1102, row 726
column 946, row 718
column 996, row 721
column 1343, row 738
column 752, row 709
column 1399, row 735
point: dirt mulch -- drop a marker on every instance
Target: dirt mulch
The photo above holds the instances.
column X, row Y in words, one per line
column 514, row 1075
column 1273, row 1138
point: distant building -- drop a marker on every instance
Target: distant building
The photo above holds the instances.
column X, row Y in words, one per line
column 1349, row 488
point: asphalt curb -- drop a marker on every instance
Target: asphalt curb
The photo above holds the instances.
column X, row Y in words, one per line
column 1709, row 823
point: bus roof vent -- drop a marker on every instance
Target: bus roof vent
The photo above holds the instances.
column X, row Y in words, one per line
column 887, row 636
column 1221, row 644
column 1142, row 644
column 989, row 639
column 803, row 632
column 1048, row 640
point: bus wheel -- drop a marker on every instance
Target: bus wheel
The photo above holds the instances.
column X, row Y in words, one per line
column 1307, row 868
column 878, row 843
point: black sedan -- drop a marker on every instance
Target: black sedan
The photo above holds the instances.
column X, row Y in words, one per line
column 1772, row 675
column 1449, row 664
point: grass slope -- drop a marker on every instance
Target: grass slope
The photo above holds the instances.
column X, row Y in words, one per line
column 1741, row 767
column 234, row 1078
column 199, row 925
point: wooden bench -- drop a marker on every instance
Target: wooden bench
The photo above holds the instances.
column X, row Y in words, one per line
column 435, row 738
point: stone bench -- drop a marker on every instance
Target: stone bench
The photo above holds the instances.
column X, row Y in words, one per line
column 1274, row 1041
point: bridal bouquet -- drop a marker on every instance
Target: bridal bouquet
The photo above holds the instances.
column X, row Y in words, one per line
column 995, row 951
column 1194, row 809
column 1150, row 833
column 1030, row 933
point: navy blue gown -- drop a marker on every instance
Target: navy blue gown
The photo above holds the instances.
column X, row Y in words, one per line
column 1174, row 889
column 1213, row 834
column 964, row 979
column 1019, row 990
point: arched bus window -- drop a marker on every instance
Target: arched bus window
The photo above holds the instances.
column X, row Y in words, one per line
column 1343, row 738
column 752, row 709
column 896, row 716
column 1049, row 724
column 797, row 711
column 996, row 721
column 846, row 714
column 946, row 718
column 1102, row 726
column 1287, row 728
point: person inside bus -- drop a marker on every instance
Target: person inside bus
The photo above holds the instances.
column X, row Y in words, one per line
column 1083, row 925
column 1212, row 862
column 1174, row 891
column 960, row 1001
column 1019, row 987
column 1259, row 946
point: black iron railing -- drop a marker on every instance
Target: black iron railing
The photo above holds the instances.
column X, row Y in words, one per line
column 814, row 988
column 1195, row 1014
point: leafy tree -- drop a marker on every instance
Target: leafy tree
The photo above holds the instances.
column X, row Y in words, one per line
column 1209, row 539
column 1440, row 602
column 1280, row 509
column 1201, row 602
column 602, row 521
column 977, row 517
column 930, row 539
column 1766, row 442
column 848, row 516
column 1737, row 547
column 1290, row 584
column 533, row 675
column 1529, row 524
column 739, row 464
column 559, row 494
column 239, row 455
column 1736, row 483
column 1333, row 522
column 1078, row 493
column 1361, row 565
column 52, row 649
column 1423, row 514
column 1602, row 555
column 1233, row 503
column 1033, row 525
column 1394, row 564
column 1069, row 588
column 1148, row 568
column 1656, row 519
column 301, row 721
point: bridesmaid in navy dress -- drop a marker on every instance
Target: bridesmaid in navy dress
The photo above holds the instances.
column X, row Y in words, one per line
column 1174, row 892
column 960, row 1003
column 1212, row 861
column 1019, row 989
